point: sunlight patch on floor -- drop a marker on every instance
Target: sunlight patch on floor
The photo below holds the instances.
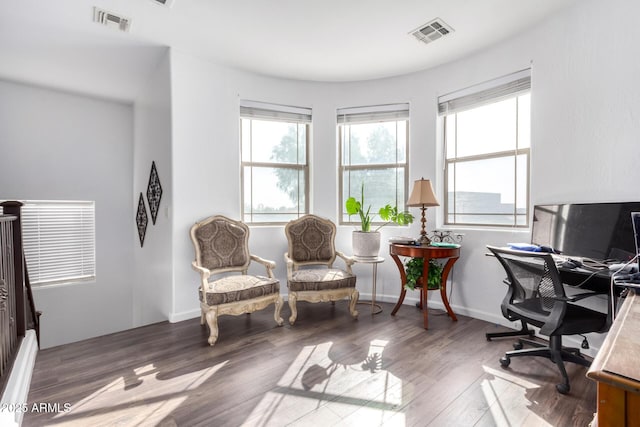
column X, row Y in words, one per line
column 509, row 405
column 139, row 399
column 333, row 383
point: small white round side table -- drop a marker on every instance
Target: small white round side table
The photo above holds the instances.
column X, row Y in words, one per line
column 375, row 308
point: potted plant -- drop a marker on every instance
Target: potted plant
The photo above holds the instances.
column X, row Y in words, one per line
column 414, row 268
column 366, row 243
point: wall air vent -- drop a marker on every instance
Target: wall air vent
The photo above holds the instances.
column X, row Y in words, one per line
column 432, row 31
column 110, row 19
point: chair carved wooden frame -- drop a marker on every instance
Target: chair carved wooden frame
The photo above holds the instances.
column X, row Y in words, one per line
column 221, row 247
column 311, row 243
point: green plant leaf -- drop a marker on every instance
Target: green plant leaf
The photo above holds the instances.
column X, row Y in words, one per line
column 413, row 270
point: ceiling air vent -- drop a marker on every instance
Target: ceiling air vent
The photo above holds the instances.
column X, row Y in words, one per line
column 432, row 31
column 166, row 3
column 110, row 19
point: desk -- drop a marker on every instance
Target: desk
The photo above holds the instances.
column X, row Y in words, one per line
column 374, row 262
column 427, row 253
column 617, row 371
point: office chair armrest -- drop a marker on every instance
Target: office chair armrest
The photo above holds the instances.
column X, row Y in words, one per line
column 579, row 297
column 269, row 265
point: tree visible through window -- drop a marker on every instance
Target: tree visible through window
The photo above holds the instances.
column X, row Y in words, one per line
column 274, row 144
column 373, row 152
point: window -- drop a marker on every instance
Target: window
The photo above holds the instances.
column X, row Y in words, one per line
column 486, row 133
column 275, row 169
column 59, row 241
column 373, row 152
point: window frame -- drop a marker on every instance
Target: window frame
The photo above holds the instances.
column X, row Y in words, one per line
column 253, row 110
column 368, row 115
column 507, row 87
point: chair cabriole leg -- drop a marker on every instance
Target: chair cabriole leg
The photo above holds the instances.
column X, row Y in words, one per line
column 212, row 321
column 278, row 303
column 293, row 297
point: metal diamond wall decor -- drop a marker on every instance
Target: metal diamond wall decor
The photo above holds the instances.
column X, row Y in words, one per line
column 154, row 192
column 141, row 219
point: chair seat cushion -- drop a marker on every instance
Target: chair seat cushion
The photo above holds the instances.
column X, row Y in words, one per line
column 238, row 288
column 320, row 279
column 577, row 319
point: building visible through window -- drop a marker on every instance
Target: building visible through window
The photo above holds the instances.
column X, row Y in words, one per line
column 275, row 169
column 486, row 132
column 373, row 152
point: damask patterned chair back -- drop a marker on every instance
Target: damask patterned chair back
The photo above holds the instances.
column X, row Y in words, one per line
column 223, row 244
column 311, row 245
column 311, row 240
column 222, row 251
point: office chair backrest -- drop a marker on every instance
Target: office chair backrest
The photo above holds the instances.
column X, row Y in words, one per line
column 533, row 279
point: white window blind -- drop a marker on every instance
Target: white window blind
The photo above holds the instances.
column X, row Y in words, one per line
column 485, row 93
column 59, row 241
column 266, row 111
column 373, row 114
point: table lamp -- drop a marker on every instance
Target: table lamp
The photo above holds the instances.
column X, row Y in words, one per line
column 422, row 196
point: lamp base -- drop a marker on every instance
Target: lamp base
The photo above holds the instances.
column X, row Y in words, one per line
column 423, row 240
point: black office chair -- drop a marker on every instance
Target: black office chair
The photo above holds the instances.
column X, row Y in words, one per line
column 536, row 296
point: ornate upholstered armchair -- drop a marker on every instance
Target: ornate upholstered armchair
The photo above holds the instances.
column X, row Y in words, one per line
column 310, row 273
column 221, row 246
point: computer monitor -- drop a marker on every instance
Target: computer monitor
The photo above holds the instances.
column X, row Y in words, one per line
column 599, row 231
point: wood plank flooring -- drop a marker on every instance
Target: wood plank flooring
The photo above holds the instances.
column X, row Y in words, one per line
column 327, row 369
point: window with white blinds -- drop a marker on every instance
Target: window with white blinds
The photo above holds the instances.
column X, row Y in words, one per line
column 274, row 141
column 373, row 144
column 487, row 140
column 59, row 241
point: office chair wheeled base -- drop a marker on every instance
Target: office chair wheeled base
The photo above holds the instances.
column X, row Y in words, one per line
column 554, row 352
column 523, row 331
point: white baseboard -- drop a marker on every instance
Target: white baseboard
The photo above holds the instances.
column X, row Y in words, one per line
column 17, row 389
column 185, row 315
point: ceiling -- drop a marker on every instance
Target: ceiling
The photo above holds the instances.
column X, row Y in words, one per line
column 56, row 43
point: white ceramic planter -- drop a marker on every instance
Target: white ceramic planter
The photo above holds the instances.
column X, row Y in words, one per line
column 366, row 244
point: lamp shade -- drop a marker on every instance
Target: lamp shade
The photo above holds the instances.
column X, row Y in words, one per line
column 422, row 194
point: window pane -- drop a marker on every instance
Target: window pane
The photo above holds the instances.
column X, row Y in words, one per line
column 450, row 136
column 269, row 141
column 273, row 194
column 374, row 143
column 487, row 129
column 484, row 191
column 382, row 187
column 245, row 135
column 487, row 180
column 522, row 184
column 274, row 170
column 524, row 121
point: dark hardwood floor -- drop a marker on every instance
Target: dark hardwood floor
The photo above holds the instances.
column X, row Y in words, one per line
column 328, row 369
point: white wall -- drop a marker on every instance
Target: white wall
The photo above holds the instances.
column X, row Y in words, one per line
column 59, row 146
column 152, row 290
column 584, row 123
